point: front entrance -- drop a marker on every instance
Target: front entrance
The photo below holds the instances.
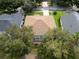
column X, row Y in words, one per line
column 37, row 38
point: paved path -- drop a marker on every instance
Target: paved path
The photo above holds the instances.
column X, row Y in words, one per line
column 30, row 56
column 46, row 11
column 44, row 5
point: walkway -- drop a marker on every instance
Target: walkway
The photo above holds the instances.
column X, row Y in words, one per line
column 31, row 56
column 44, row 5
column 46, row 12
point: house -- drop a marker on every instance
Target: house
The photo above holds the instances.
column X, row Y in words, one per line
column 70, row 22
column 40, row 25
column 6, row 20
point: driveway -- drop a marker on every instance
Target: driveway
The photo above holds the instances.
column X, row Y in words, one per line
column 45, row 11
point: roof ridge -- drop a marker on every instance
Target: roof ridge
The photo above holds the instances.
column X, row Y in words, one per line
column 42, row 22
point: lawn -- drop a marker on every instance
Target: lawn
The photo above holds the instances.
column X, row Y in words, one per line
column 57, row 15
column 36, row 13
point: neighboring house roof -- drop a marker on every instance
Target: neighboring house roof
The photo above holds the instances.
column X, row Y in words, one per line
column 70, row 22
column 39, row 24
column 10, row 19
column 4, row 24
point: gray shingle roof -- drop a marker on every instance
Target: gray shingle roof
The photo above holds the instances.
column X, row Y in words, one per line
column 70, row 22
column 4, row 24
column 7, row 20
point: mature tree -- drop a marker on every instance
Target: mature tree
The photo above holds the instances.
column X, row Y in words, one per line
column 16, row 42
column 68, row 3
column 76, row 42
column 10, row 6
column 76, row 3
column 28, row 6
column 57, row 45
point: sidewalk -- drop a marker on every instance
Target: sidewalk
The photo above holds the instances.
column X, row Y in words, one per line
column 31, row 56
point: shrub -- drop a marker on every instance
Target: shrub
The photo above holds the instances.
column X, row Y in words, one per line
column 54, row 13
column 57, row 45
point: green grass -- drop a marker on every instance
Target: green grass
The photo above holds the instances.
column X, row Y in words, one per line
column 57, row 17
column 36, row 13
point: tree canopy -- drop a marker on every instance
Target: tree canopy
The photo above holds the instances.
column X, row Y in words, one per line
column 10, row 6
column 68, row 2
column 15, row 42
column 58, row 45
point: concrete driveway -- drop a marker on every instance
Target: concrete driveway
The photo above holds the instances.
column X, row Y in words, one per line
column 45, row 12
